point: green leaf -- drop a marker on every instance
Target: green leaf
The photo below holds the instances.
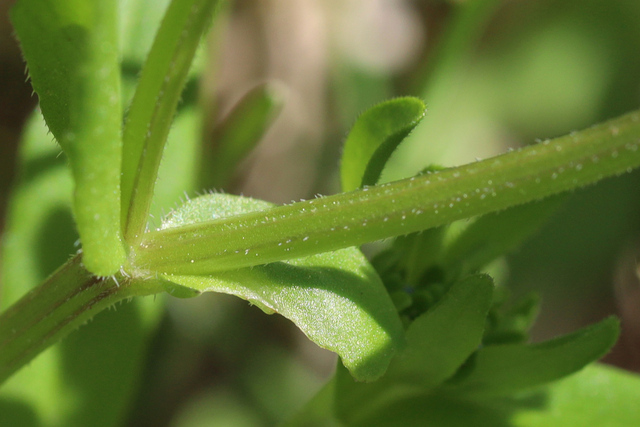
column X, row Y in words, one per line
column 598, row 396
column 239, row 132
column 505, row 369
column 495, row 234
column 154, row 105
column 374, row 137
column 438, row 342
column 441, row 339
column 71, row 49
column 335, row 298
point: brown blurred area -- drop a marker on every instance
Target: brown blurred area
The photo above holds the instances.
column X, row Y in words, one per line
column 15, row 104
column 282, row 41
column 299, row 43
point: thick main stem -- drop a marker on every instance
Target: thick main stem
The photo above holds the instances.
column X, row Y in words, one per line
column 67, row 299
column 401, row 207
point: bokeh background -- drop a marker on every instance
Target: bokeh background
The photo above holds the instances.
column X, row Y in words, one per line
column 514, row 72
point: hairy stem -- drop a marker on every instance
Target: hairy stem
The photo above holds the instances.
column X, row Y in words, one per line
column 66, row 300
column 397, row 208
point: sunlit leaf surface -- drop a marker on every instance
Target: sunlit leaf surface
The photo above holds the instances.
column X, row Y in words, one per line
column 335, row 298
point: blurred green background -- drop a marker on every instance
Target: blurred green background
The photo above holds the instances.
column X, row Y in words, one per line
column 525, row 71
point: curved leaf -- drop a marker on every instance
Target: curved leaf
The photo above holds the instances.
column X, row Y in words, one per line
column 71, row 48
column 600, row 395
column 505, row 369
column 374, row 137
column 335, row 298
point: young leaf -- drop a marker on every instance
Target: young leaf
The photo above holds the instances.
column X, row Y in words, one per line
column 336, row 298
column 418, row 252
column 239, row 132
column 154, row 105
column 374, row 137
column 441, row 339
column 438, row 342
column 71, row 48
column 505, row 369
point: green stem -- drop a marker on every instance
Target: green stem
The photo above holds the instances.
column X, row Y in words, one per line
column 154, row 104
column 66, row 300
column 397, row 208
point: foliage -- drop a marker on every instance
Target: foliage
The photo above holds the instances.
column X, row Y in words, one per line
column 423, row 333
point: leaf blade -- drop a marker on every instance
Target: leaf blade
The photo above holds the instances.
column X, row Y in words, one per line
column 71, row 50
column 504, row 369
column 336, row 299
column 441, row 339
column 599, row 396
column 438, row 342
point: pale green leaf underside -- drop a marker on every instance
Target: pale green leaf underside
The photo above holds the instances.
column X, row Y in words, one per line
column 374, row 137
column 71, row 49
column 335, row 298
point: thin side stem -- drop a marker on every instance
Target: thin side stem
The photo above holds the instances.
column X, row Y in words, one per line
column 154, row 104
column 397, row 208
